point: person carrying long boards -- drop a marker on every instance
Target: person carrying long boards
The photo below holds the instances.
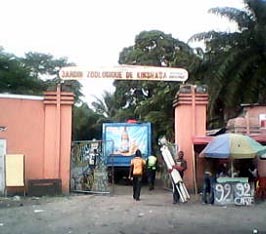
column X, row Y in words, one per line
column 181, row 166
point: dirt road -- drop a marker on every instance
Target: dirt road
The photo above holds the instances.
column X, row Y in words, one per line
column 119, row 213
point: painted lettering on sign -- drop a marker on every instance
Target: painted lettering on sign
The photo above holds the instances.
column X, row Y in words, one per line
column 244, row 201
column 223, row 193
column 234, row 193
column 69, row 74
column 125, row 72
column 242, row 189
column 150, row 75
column 106, row 74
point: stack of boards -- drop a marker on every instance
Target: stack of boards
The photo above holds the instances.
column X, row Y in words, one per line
column 175, row 176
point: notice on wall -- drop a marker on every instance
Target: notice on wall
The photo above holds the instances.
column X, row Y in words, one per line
column 14, row 170
column 236, row 193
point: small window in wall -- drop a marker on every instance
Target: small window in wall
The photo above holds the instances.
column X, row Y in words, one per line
column 262, row 118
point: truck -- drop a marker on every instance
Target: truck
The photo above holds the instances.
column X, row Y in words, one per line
column 120, row 142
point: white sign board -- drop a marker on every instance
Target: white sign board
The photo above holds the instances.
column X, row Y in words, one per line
column 125, row 72
column 14, row 170
column 2, row 165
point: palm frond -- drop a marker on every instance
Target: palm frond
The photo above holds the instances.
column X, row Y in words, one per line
column 241, row 17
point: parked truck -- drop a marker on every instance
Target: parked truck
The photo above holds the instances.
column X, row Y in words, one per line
column 121, row 140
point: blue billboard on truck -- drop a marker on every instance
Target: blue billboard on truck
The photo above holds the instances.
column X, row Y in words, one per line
column 121, row 140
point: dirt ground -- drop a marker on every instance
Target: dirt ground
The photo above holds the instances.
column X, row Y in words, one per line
column 119, row 213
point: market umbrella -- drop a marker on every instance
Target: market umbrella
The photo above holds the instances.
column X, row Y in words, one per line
column 233, row 145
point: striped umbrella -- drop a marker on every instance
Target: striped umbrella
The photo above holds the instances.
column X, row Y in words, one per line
column 233, row 145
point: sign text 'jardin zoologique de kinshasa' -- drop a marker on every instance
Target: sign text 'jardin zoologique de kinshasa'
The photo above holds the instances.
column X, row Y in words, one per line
column 125, row 72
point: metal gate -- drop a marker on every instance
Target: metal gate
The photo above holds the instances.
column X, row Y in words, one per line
column 88, row 167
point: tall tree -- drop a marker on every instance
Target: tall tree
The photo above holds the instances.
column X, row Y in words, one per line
column 152, row 100
column 234, row 64
column 16, row 78
column 45, row 67
column 36, row 73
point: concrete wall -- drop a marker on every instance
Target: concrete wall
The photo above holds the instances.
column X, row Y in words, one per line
column 190, row 120
column 252, row 123
column 39, row 128
column 190, row 128
column 253, row 114
column 24, row 134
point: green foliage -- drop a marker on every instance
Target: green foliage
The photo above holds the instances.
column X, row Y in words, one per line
column 152, row 100
column 234, row 64
column 105, row 106
column 36, row 73
column 15, row 78
column 33, row 74
column 45, row 67
column 86, row 125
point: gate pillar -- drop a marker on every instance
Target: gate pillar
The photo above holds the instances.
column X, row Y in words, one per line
column 57, row 136
column 190, row 120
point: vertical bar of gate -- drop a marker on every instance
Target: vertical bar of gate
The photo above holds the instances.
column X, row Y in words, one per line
column 113, row 175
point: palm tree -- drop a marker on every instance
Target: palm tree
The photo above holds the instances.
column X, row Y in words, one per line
column 234, row 64
column 86, row 124
column 110, row 109
column 104, row 106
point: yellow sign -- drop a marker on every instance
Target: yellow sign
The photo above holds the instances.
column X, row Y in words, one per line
column 14, row 170
column 125, row 72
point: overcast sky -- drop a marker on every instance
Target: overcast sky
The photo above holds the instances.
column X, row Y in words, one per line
column 94, row 32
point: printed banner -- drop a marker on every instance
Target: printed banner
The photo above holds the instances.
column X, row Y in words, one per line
column 125, row 140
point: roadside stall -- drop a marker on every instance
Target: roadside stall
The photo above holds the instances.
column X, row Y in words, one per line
column 240, row 151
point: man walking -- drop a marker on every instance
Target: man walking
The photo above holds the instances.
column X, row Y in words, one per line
column 136, row 171
column 181, row 166
column 151, row 165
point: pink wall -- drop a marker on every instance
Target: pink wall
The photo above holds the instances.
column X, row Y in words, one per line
column 190, row 121
column 250, row 124
column 40, row 128
column 24, row 121
column 190, row 130
column 252, row 114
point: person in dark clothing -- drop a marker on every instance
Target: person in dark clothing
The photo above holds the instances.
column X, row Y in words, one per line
column 209, row 182
column 247, row 168
column 136, row 171
column 181, row 166
column 222, row 170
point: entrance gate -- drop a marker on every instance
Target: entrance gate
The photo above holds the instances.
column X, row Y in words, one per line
column 88, row 167
column 83, row 177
